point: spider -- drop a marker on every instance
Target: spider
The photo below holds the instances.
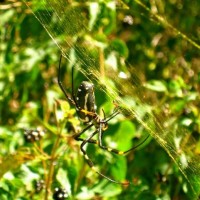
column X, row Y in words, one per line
column 84, row 102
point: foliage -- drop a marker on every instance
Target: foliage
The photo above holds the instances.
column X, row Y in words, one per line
column 139, row 55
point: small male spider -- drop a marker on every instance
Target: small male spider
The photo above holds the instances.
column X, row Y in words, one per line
column 84, row 101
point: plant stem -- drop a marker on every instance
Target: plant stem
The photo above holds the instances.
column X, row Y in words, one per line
column 53, row 157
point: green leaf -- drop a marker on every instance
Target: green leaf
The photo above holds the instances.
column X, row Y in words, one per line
column 120, row 47
column 177, row 105
column 119, row 169
column 124, row 135
column 155, row 85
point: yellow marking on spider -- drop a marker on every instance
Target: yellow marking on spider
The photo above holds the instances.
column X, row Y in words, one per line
column 120, row 152
column 104, row 128
column 87, row 112
column 94, row 168
column 86, row 157
column 109, row 149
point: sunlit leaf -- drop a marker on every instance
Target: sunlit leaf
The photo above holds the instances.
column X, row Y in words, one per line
column 158, row 86
column 18, row 158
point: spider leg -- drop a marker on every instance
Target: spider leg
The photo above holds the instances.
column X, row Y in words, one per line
column 92, row 141
column 114, row 114
column 115, row 150
column 77, row 136
column 61, row 85
column 91, row 164
column 101, row 131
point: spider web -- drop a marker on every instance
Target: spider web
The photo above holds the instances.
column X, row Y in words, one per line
column 65, row 23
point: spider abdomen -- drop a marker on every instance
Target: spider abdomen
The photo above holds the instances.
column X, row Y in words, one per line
column 85, row 99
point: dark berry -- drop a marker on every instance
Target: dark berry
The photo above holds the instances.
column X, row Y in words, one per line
column 60, row 194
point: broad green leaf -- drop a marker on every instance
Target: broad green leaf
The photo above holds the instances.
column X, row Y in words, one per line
column 155, row 85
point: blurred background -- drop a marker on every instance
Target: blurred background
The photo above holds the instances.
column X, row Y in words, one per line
column 149, row 54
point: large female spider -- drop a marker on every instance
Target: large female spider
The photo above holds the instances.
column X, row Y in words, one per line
column 84, row 101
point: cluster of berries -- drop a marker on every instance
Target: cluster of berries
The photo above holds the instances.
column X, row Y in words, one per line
column 32, row 135
column 59, row 193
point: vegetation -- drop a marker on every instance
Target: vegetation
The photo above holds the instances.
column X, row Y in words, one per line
column 143, row 58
